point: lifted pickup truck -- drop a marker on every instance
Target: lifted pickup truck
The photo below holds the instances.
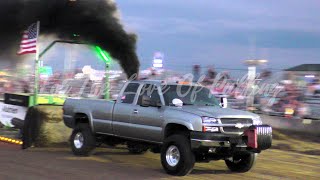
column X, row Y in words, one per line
column 184, row 122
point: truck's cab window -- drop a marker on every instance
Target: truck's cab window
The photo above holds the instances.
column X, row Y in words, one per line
column 151, row 91
column 129, row 93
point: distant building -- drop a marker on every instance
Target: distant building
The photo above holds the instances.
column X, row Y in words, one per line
column 303, row 72
column 305, row 69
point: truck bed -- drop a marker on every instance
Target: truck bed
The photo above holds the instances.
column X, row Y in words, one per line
column 98, row 110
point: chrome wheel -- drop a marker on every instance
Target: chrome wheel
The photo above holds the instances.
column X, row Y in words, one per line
column 173, row 155
column 78, row 140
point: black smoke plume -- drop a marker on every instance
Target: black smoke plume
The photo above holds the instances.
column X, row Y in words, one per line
column 93, row 20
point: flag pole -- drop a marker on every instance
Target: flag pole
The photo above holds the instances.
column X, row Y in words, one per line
column 36, row 69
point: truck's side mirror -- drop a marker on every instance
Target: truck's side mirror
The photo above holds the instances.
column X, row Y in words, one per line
column 177, row 102
column 224, row 102
column 145, row 101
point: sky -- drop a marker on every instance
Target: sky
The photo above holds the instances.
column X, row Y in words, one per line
column 224, row 33
column 219, row 33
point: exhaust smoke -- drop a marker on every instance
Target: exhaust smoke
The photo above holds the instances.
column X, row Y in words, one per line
column 92, row 21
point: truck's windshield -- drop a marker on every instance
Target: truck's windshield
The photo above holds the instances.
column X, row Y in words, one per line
column 190, row 95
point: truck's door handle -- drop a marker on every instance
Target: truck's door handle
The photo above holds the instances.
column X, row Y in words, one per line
column 135, row 111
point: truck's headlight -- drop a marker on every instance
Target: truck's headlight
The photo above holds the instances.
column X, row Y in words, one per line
column 209, row 120
column 208, row 124
column 256, row 121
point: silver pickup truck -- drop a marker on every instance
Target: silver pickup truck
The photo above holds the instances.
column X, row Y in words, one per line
column 183, row 122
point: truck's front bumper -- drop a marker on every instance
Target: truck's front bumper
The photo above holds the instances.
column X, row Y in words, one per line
column 256, row 137
column 205, row 139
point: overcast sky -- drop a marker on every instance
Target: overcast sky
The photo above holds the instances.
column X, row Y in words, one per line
column 224, row 32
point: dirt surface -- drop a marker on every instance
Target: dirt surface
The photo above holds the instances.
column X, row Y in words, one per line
column 117, row 163
column 299, row 142
column 293, row 155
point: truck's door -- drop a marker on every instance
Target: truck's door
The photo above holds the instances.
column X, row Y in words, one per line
column 123, row 110
column 147, row 121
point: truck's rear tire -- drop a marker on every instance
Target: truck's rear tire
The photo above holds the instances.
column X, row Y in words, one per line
column 241, row 162
column 82, row 140
column 176, row 155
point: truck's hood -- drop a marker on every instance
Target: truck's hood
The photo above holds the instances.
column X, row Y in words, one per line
column 217, row 112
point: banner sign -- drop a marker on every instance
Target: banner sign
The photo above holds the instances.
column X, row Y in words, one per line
column 9, row 112
column 16, row 99
column 158, row 60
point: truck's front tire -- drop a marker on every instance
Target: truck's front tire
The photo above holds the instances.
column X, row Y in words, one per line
column 241, row 162
column 82, row 140
column 176, row 155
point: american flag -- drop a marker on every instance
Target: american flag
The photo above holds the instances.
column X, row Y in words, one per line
column 29, row 40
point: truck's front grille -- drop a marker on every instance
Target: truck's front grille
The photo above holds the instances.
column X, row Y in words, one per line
column 236, row 121
column 234, row 129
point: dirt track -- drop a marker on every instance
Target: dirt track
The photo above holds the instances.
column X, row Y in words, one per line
column 59, row 163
